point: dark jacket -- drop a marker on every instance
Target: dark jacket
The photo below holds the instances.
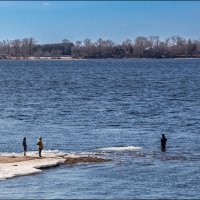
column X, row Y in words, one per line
column 24, row 144
column 163, row 141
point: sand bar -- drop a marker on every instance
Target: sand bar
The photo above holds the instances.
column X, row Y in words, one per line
column 19, row 165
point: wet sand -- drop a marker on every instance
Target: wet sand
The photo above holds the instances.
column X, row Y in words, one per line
column 68, row 159
column 12, row 159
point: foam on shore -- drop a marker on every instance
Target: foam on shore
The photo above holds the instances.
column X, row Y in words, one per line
column 126, row 148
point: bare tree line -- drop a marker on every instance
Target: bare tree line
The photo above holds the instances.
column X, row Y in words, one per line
column 140, row 47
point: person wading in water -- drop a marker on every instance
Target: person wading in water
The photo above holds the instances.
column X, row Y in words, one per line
column 163, row 141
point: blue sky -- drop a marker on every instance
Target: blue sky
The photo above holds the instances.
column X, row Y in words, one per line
column 52, row 21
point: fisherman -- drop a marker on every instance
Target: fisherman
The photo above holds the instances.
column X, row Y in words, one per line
column 24, row 144
column 163, row 141
column 40, row 146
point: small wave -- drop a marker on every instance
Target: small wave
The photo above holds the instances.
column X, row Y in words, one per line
column 54, row 151
column 126, row 148
column 114, row 125
column 174, row 158
column 178, row 99
column 91, row 154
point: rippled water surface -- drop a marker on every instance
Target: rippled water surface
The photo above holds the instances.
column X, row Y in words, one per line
column 96, row 106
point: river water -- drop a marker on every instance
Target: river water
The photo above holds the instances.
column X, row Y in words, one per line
column 105, row 108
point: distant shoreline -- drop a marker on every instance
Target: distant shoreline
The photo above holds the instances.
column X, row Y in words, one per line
column 42, row 58
column 71, row 58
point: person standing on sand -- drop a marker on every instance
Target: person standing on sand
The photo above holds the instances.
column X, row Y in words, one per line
column 24, row 144
column 40, row 146
column 163, row 141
